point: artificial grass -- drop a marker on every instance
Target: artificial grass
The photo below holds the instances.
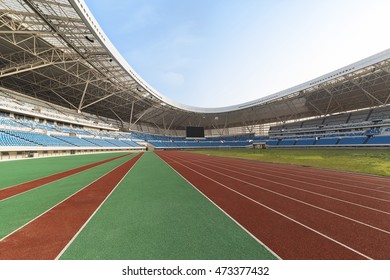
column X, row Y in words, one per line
column 155, row 214
column 20, row 171
column 376, row 162
column 18, row 210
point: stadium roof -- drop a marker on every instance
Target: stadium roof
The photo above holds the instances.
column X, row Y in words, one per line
column 55, row 50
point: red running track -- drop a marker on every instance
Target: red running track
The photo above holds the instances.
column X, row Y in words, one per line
column 297, row 212
column 24, row 187
column 45, row 237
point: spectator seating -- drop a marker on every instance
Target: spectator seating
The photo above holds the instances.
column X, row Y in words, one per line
column 99, row 142
column 10, row 140
column 358, row 140
column 37, row 138
column 379, row 140
column 368, row 127
column 79, row 142
column 327, row 141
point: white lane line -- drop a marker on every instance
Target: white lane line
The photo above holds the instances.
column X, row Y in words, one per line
column 294, row 199
column 292, row 187
column 277, row 212
column 296, row 169
column 304, row 175
column 326, row 187
column 93, row 214
column 40, row 178
column 54, row 181
column 29, row 222
column 223, row 211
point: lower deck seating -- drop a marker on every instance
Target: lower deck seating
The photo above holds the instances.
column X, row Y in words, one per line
column 327, row 141
column 190, row 144
column 379, row 140
column 287, row 142
column 117, row 142
column 130, row 143
column 25, row 138
column 358, row 128
column 305, row 142
column 37, row 138
column 99, row 142
column 10, row 140
column 358, row 140
column 79, row 142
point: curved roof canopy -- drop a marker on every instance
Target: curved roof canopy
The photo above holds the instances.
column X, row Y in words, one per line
column 54, row 50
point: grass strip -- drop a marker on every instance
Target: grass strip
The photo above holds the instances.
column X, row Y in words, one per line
column 155, row 214
column 19, row 171
column 18, row 210
column 375, row 162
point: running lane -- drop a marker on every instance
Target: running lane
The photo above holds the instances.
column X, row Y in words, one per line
column 290, row 226
column 47, row 235
column 21, row 188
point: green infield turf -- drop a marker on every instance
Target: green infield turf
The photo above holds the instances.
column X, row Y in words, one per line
column 18, row 210
column 155, row 214
column 20, row 171
column 376, row 162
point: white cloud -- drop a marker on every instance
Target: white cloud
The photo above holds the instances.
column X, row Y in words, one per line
column 172, row 79
column 237, row 52
column 140, row 18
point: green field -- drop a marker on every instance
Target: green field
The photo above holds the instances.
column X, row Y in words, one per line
column 375, row 162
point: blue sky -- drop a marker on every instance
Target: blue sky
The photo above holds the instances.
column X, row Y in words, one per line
column 213, row 53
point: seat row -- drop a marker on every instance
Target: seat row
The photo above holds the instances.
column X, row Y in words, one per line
column 23, row 138
column 381, row 140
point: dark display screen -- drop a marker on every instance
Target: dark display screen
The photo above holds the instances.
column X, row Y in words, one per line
column 195, row 131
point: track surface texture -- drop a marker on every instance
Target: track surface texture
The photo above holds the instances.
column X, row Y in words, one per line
column 48, row 234
column 20, row 188
column 16, row 172
column 297, row 212
column 154, row 214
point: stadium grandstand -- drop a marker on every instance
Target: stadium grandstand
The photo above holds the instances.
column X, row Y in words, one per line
column 126, row 191
column 65, row 89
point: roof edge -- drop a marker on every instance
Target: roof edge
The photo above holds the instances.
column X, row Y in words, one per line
column 86, row 15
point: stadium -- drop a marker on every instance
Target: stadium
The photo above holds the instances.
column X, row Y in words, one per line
column 97, row 164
